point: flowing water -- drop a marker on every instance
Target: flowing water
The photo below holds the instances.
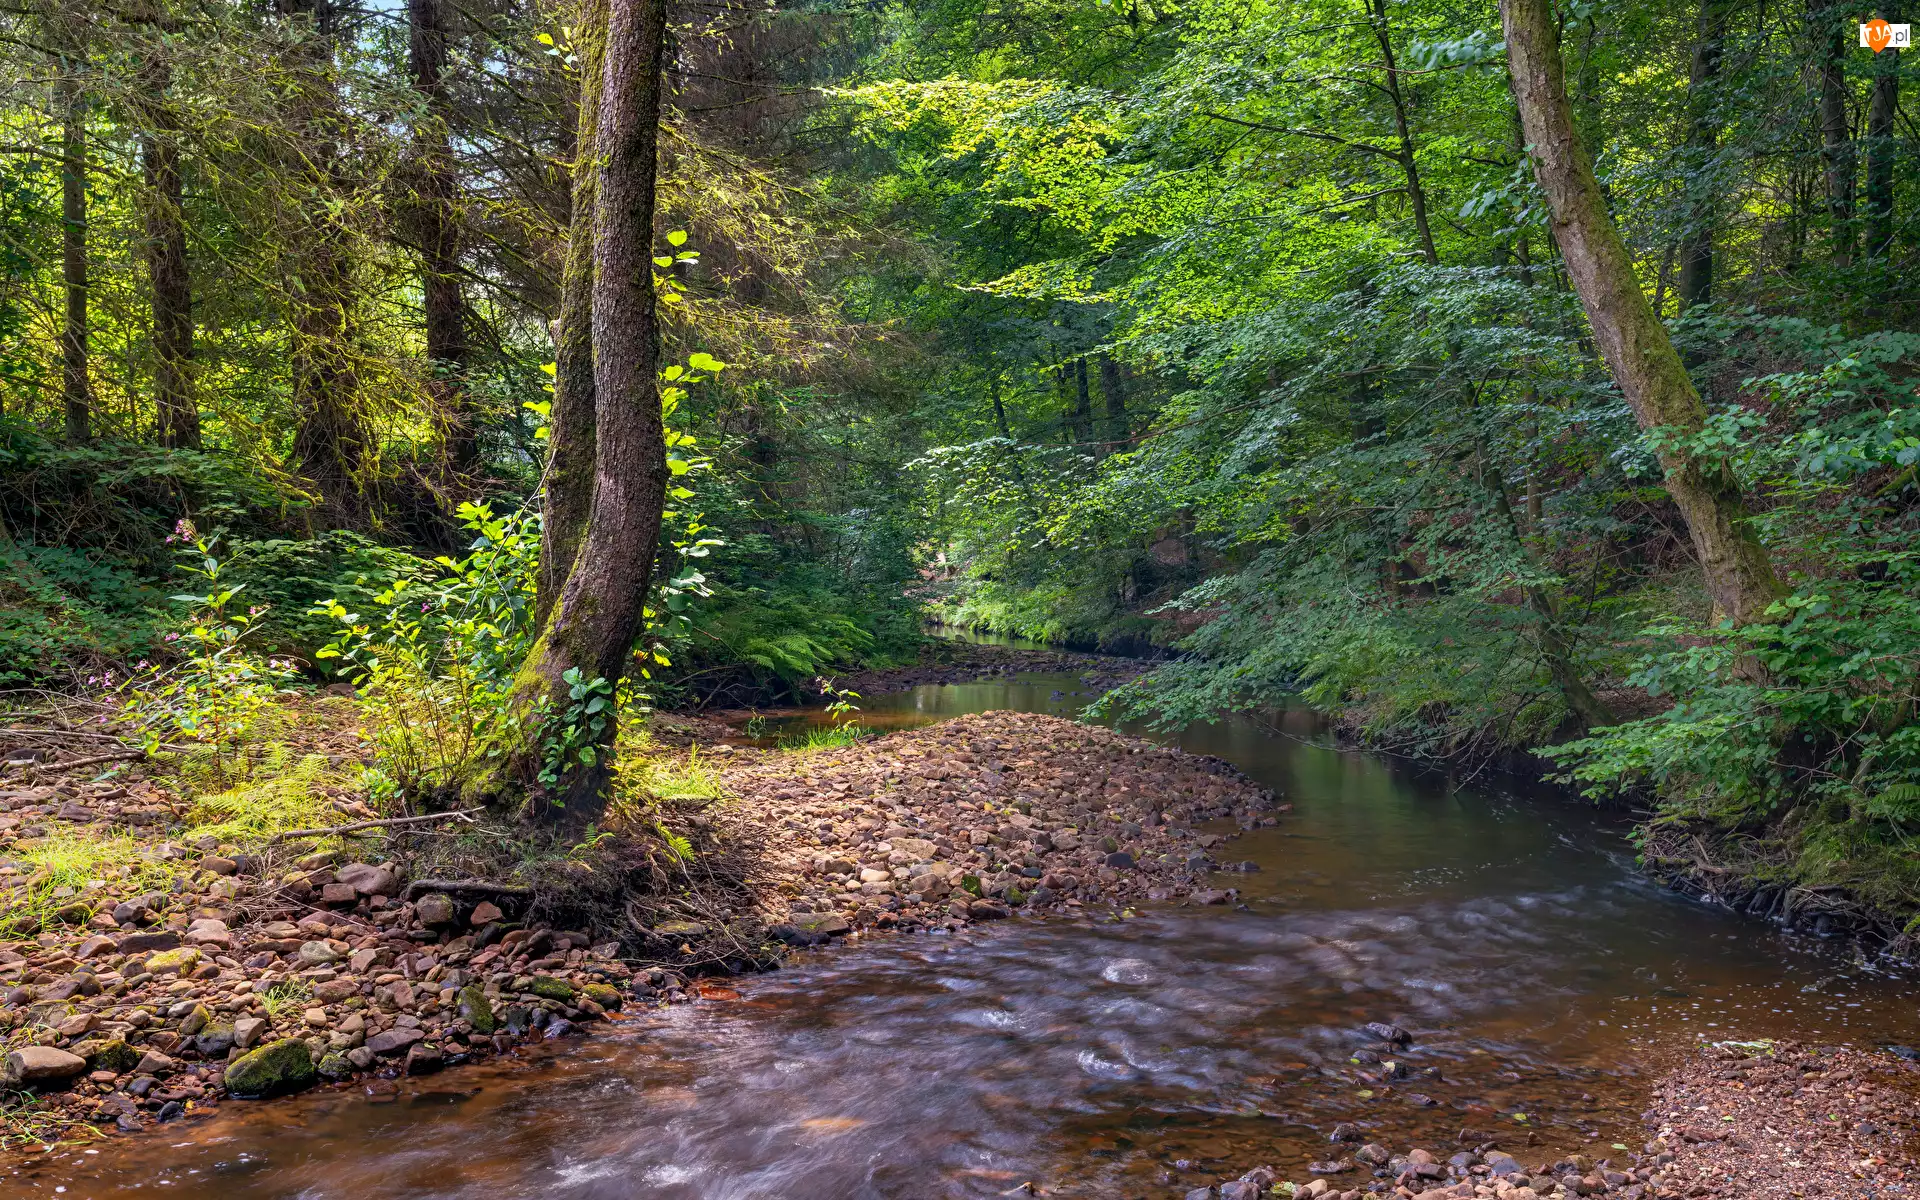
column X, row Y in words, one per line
column 1136, row 1056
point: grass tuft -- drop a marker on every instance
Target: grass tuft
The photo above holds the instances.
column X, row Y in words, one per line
column 823, row 739
column 59, row 869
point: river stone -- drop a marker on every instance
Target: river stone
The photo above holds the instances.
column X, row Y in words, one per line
column 273, row 1070
column 154, row 1063
column 605, row 995
column 172, row 962
column 393, row 1041
column 436, row 910
column 988, row 910
column 547, row 987
column 680, row 930
column 214, row 1041
column 318, row 954
column 424, row 1060
column 918, row 847
column 821, row 922
column 108, row 1054
column 335, row 1066
column 476, row 1010
column 333, row 991
column 196, row 1019
column 40, row 1066
column 366, row 879
column 247, row 1031
column 484, row 913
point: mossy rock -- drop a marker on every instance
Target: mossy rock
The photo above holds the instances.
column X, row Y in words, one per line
column 173, row 962
column 335, row 1066
column 104, row 1054
column 605, row 995
column 195, row 1020
column 476, row 1010
column 547, row 987
column 273, row 1070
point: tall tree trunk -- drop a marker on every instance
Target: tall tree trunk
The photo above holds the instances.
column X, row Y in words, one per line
column 438, row 212
column 591, row 631
column 1739, row 576
column 1882, row 151
column 1829, row 27
column 1113, row 388
column 1416, row 194
column 177, row 417
column 330, row 440
column 76, row 389
column 570, row 424
column 1703, row 134
column 1082, row 403
column 999, row 409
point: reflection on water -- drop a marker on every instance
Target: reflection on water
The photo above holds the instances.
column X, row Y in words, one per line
column 1104, row 1057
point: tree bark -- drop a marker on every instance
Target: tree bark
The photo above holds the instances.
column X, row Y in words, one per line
column 444, row 307
column 1416, row 194
column 1836, row 142
column 1113, row 388
column 1882, row 150
column 1082, row 403
column 76, row 388
column 177, row 417
column 1703, row 134
column 330, row 441
column 1739, row 576
column 570, row 423
column 599, row 614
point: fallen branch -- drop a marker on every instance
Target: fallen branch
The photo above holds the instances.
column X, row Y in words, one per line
column 90, row 760
column 464, row 885
column 288, row 835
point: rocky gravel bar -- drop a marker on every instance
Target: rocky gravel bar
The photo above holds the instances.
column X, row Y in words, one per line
column 981, row 816
column 248, row 977
column 1731, row 1121
column 1766, row 1120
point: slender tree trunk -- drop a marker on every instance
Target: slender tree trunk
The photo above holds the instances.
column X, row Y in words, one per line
column 1416, row 194
column 330, row 441
column 1113, row 388
column 76, row 388
column 1082, row 403
column 599, row 615
column 177, row 417
column 999, row 409
column 1739, row 576
column 1882, row 151
column 1556, row 649
column 1836, row 140
column 570, row 445
column 444, row 306
column 1703, row 133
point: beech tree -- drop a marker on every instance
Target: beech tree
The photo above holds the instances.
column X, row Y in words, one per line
column 1739, row 574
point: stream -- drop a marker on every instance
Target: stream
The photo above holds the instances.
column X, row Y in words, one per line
column 1101, row 1056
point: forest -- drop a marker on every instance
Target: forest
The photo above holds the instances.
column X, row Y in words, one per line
column 1527, row 386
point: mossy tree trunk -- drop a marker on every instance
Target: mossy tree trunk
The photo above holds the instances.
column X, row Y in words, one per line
column 570, row 447
column 170, row 284
column 591, row 628
column 1739, row 575
column 437, row 213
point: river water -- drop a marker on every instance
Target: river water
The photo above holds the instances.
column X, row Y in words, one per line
column 1103, row 1056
